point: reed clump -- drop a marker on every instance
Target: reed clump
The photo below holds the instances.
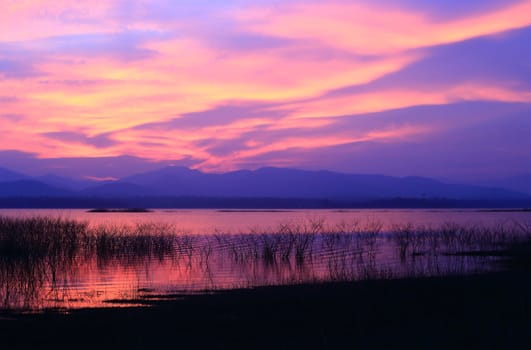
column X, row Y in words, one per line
column 47, row 238
column 53, row 237
column 450, row 238
column 41, row 237
column 139, row 241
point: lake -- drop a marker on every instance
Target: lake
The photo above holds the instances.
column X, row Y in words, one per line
column 210, row 221
column 206, row 250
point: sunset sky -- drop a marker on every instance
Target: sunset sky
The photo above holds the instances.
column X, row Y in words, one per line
column 105, row 88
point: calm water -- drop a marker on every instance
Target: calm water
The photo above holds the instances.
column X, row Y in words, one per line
column 212, row 221
column 223, row 250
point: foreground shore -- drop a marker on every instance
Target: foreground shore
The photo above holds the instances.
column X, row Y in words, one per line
column 488, row 311
column 482, row 311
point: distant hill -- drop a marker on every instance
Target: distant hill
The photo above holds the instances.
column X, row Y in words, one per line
column 117, row 190
column 291, row 183
column 262, row 183
column 7, row 175
column 66, row 183
column 31, row 188
column 521, row 183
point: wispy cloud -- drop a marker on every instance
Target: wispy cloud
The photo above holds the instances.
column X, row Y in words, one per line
column 98, row 141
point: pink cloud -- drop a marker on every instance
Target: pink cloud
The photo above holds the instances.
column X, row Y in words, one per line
column 375, row 29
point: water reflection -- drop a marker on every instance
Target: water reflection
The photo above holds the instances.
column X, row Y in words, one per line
column 79, row 266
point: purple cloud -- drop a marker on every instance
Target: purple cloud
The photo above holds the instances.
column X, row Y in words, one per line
column 8, row 99
column 218, row 116
column 501, row 59
column 17, row 69
column 12, row 117
column 98, row 141
column 449, row 8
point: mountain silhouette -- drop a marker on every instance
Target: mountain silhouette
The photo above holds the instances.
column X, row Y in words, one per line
column 7, row 175
column 66, row 183
column 519, row 183
column 31, row 188
column 262, row 183
column 118, row 189
column 292, row 183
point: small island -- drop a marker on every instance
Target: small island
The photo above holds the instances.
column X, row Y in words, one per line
column 123, row 210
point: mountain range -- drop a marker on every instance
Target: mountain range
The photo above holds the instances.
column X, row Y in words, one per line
column 261, row 183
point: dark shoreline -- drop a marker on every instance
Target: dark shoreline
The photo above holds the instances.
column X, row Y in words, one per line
column 457, row 312
column 480, row 311
column 257, row 203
